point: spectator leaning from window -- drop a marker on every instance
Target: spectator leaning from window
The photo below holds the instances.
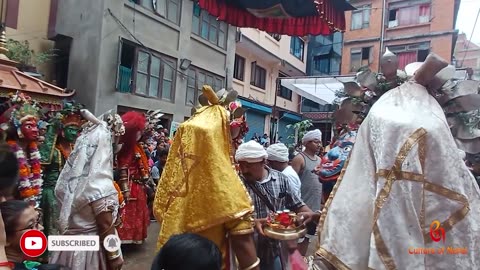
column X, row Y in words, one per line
column 188, row 252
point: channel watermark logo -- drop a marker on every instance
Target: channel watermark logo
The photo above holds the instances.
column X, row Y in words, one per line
column 438, row 234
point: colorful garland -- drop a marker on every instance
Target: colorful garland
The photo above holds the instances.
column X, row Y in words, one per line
column 30, row 177
column 142, row 161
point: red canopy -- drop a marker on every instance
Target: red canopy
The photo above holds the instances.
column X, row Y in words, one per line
column 323, row 18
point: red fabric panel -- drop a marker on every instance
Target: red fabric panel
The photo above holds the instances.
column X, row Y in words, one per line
column 328, row 21
column 11, row 18
column 406, row 58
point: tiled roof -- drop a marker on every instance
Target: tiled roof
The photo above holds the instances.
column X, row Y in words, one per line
column 12, row 80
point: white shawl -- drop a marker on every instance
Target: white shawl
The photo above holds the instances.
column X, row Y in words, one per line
column 88, row 173
column 404, row 172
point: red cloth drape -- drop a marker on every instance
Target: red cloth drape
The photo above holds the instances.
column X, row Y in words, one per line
column 406, row 58
column 328, row 21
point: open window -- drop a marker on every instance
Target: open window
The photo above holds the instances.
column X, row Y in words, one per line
column 360, row 57
column 126, row 60
column 63, row 45
column 410, row 53
column 402, row 13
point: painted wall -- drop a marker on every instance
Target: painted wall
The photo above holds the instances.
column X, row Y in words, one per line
column 93, row 58
column 279, row 48
column 32, row 25
column 266, row 95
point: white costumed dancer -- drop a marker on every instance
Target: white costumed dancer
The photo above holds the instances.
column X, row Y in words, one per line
column 406, row 199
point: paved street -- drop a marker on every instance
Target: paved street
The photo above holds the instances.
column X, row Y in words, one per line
column 141, row 256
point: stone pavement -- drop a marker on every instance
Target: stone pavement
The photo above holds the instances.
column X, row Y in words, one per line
column 140, row 257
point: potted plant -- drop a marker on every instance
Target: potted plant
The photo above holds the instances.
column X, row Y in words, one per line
column 27, row 59
column 300, row 129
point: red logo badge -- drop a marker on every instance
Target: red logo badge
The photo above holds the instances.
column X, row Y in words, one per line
column 437, row 233
column 33, row 243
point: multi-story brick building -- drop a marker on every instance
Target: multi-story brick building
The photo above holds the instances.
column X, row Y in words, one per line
column 467, row 55
column 411, row 29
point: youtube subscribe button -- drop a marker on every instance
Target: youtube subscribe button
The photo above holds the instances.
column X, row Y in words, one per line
column 33, row 243
column 73, row 243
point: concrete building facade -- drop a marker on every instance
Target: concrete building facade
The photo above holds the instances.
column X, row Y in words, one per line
column 261, row 59
column 141, row 54
column 411, row 29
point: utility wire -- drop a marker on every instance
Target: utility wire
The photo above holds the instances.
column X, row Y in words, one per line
column 115, row 18
column 471, row 36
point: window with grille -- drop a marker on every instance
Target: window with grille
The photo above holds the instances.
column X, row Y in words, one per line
column 155, row 75
column 197, row 78
column 409, row 13
column 297, row 47
column 239, row 68
column 284, row 92
column 208, row 27
column 360, row 57
column 168, row 9
column 258, row 76
column 361, row 17
column 411, row 53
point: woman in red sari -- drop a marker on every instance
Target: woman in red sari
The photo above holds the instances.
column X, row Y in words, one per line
column 132, row 164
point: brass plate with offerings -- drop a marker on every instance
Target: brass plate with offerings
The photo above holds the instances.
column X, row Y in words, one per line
column 282, row 225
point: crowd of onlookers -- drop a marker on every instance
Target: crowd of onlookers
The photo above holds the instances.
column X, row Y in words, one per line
column 156, row 148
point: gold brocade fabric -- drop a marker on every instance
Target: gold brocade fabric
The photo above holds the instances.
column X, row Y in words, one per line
column 199, row 190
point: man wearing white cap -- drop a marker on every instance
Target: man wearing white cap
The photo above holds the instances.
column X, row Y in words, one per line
column 278, row 160
column 305, row 165
column 270, row 191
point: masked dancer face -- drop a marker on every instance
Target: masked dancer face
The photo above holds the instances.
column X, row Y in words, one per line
column 29, row 130
column 334, row 160
column 70, row 133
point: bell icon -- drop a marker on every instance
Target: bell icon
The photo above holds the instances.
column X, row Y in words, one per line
column 112, row 243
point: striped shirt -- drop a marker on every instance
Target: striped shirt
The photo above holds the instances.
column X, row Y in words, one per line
column 277, row 188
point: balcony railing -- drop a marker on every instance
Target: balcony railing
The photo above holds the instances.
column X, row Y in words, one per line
column 124, row 80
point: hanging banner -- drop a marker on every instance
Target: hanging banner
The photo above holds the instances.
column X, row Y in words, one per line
column 286, row 17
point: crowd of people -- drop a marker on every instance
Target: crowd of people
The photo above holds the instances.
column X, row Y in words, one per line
column 214, row 195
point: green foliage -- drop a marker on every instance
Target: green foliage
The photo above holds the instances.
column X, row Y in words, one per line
column 301, row 127
column 20, row 51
